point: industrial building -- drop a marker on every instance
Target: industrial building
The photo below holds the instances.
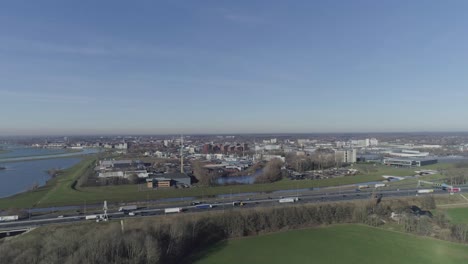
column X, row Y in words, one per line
column 109, row 165
column 168, row 180
column 124, row 174
column 408, row 162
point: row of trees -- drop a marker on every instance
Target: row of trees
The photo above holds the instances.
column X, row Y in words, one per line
column 271, row 172
column 88, row 177
column 319, row 160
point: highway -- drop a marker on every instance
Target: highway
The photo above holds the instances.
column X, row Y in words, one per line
column 348, row 195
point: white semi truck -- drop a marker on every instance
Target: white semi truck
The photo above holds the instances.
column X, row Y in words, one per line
column 128, row 208
column 288, row 200
column 426, row 191
column 172, row 210
column 91, row 217
column 8, row 218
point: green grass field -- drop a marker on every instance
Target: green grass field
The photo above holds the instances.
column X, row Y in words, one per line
column 458, row 215
column 347, row 244
column 59, row 192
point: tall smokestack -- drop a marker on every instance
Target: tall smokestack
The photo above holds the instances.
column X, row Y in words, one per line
column 181, row 154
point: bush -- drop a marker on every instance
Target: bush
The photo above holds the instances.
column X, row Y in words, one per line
column 428, row 202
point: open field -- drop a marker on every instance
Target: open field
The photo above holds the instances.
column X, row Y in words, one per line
column 59, row 191
column 337, row 244
column 458, row 215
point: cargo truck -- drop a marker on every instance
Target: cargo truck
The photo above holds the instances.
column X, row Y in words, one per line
column 128, row 208
column 360, row 187
column 426, row 191
column 289, row 200
column 172, row 210
column 454, row 189
column 8, row 218
column 91, row 217
column 378, row 185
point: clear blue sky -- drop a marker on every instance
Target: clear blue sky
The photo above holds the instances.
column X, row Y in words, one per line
column 71, row 67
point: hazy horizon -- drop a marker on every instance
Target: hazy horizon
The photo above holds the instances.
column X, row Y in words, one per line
column 373, row 133
column 212, row 67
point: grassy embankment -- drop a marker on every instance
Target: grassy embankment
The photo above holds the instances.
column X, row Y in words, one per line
column 337, row 244
column 59, row 191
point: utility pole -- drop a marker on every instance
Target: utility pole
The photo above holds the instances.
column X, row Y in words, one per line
column 104, row 209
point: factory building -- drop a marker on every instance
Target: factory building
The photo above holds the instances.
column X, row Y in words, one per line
column 168, row 180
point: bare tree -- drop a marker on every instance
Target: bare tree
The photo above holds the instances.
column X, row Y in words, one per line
column 271, row 172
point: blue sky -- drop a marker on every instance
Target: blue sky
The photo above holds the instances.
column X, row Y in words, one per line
column 156, row 67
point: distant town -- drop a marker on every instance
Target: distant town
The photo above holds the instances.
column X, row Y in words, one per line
column 185, row 160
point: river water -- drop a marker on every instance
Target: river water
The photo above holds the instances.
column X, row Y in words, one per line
column 247, row 179
column 26, row 167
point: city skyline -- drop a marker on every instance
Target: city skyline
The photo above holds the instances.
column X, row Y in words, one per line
column 224, row 67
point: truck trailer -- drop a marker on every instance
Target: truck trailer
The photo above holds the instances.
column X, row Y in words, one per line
column 426, row 191
column 288, row 200
column 91, row 217
column 128, row 208
column 172, row 210
column 8, row 218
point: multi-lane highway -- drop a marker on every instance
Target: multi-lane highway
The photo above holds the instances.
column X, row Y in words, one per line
column 250, row 203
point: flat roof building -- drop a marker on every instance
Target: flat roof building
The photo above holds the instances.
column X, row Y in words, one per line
column 408, row 162
column 345, row 155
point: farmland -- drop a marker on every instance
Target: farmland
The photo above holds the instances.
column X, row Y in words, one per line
column 336, row 244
